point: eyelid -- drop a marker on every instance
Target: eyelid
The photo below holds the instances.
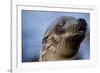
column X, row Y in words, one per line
column 61, row 24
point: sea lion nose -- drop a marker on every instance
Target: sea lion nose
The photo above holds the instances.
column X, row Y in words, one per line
column 82, row 23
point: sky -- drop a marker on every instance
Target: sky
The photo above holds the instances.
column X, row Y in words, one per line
column 34, row 25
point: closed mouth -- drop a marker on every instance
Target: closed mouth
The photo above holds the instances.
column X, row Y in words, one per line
column 81, row 29
column 77, row 35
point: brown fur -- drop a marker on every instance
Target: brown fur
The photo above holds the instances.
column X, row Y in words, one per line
column 62, row 39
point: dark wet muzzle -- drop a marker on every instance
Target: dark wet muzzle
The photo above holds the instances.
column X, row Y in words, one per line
column 82, row 25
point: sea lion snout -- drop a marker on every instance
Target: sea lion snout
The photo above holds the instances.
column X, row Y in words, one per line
column 80, row 30
column 83, row 24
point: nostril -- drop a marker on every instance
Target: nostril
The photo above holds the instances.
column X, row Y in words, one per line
column 82, row 22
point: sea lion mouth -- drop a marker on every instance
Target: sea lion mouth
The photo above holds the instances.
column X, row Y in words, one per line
column 80, row 30
column 77, row 35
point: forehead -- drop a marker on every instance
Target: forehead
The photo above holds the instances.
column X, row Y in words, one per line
column 66, row 19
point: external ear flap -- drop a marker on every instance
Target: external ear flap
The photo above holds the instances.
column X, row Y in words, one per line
column 46, row 35
column 44, row 40
column 82, row 21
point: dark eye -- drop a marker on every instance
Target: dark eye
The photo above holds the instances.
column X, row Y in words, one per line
column 62, row 24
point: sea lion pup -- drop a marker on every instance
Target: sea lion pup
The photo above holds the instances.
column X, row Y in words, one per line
column 63, row 38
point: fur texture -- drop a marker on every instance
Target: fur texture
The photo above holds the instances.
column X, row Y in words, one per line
column 63, row 38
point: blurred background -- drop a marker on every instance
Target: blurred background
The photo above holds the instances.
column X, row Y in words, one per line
column 34, row 25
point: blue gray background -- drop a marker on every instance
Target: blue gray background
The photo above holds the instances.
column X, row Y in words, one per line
column 35, row 23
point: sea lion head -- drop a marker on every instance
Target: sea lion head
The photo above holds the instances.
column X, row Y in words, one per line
column 72, row 31
column 64, row 37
